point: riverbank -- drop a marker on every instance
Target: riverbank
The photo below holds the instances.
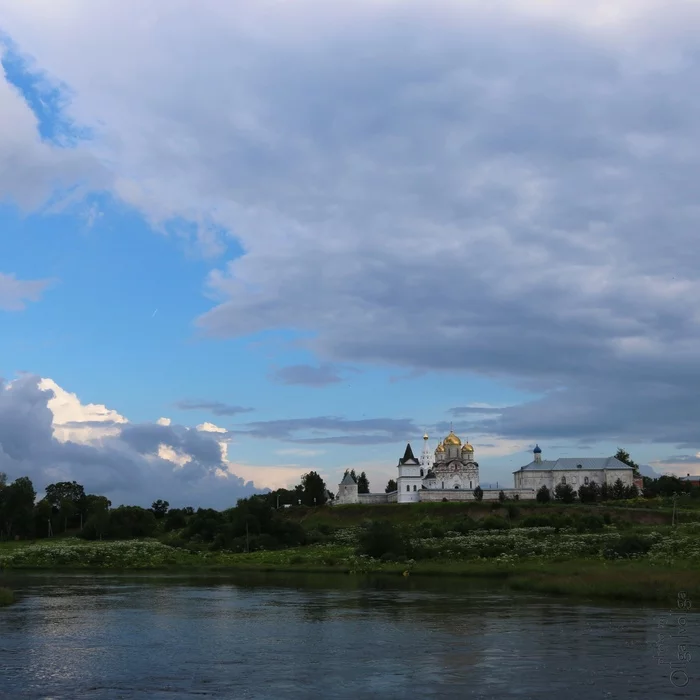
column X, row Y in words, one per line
column 534, row 559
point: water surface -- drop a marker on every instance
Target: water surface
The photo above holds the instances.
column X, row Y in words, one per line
column 104, row 636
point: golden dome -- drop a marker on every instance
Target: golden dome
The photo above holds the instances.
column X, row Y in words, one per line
column 452, row 439
column 440, row 448
column 467, row 447
column 425, row 437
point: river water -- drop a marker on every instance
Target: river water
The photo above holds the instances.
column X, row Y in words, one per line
column 103, row 636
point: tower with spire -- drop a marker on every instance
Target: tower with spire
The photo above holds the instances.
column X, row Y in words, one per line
column 410, row 479
column 426, row 457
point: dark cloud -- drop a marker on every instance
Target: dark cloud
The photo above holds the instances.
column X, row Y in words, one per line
column 307, row 375
column 333, row 430
column 216, row 408
column 681, row 459
column 126, row 467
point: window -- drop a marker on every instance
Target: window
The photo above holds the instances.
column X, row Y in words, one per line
column 421, row 472
column 585, row 480
column 443, row 484
column 414, row 487
column 470, row 484
column 408, row 487
column 563, row 480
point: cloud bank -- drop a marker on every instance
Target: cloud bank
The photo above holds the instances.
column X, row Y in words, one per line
column 48, row 435
column 506, row 189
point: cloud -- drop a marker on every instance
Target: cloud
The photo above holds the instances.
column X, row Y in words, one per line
column 464, row 187
column 307, row 375
column 14, row 293
column 328, row 430
column 215, row 407
column 48, row 435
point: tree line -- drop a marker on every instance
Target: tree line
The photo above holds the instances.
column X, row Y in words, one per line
column 67, row 507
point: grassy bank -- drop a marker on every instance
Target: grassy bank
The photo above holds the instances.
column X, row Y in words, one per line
column 539, row 559
column 6, row 597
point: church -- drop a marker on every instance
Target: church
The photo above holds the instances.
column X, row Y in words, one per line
column 450, row 473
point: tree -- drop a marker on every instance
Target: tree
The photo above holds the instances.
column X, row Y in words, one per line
column 624, row 456
column 564, row 493
column 362, row 483
column 589, row 493
column 160, row 508
column 379, row 538
column 478, row 493
column 391, row 486
column 618, row 490
column 543, row 495
column 97, row 512
column 17, row 507
column 501, row 496
column 42, row 518
column 68, row 499
column 313, row 489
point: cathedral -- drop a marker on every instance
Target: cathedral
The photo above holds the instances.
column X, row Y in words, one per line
column 448, row 473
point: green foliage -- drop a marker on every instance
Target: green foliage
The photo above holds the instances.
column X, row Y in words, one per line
column 564, row 493
column 313, row 489
column 493, row 522
column 501, row 496
column 624, row 457
column 589, row 493
column 631, row 545
column 17, row 508
column 380, row 537
column 478, row 493
column 543, row 495
column 362, row 483
column 391, row 486
column 618, row 490
column 160, row 508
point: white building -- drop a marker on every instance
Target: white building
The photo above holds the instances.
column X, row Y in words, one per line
column 450, row 473
column 576, row 471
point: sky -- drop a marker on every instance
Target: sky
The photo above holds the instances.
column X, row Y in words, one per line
column 242, row 241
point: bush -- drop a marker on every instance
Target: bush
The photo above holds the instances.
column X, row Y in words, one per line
column 564, row 493
column 478, row 493
column 493, row 522
column 628, row 546
column 501, row 496
column 543, row 495
column 607, row 518
column 590, row 523
column 379, row 537
column 537, row 521
column 513, row 512
column 465, row 525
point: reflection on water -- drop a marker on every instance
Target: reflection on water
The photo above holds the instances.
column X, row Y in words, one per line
column 266, row 636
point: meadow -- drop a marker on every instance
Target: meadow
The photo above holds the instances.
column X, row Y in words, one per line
column 631, row 562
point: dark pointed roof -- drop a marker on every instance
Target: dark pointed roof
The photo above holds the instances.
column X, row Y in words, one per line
column 348, row 480
column 408, row 455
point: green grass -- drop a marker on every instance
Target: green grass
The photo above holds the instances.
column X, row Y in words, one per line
column 6, row 597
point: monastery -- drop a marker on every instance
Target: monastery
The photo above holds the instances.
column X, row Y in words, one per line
column 450, row 473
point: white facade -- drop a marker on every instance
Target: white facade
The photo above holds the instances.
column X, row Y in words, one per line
column 575, row 471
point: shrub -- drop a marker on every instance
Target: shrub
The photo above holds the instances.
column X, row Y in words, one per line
column 607, row 518
column 465, row 525
column 380, row 537
column 493, row 522
column 513, row 512
column 628, row 546
column 478, row 493
column 590, row 523
column 537, row 521
column 543, row 495
column 501, row 496
column 564, row 493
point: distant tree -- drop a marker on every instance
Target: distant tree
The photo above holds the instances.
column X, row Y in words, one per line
column 379, row 538
column 624, row 456
column 631, row 491
column 97, row 512
column 188, row 510
column 160, row 508
column 3, row 479
column 501, row 496
column 564, row 493
column 128, row 522
column 618, row 490
column 313, row 489
column 605, row 491
column 42, row 518
column 17, row 507
column 68, row 499
column 589, row 493
column 478, row 493
column 391, row 486
column 175, row 519
column 362, row 483
column 543, row 495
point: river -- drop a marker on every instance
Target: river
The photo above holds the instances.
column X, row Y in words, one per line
column 272, row 636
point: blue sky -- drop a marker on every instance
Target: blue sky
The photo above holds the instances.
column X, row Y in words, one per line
column 313, row 225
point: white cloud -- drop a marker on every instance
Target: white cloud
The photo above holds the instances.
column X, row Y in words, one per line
column 14, row 293
column 163, row 421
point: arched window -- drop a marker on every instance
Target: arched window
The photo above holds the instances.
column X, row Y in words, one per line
column 585, row 480
column 563, row 480
column 408, row 487
column 421, row 472
column 443, row 484
column 470, row 484
column 414, row 487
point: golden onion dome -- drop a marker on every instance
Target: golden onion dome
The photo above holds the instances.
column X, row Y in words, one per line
column 440, row 448
column 452, row 439
column 467, row 447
